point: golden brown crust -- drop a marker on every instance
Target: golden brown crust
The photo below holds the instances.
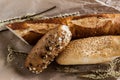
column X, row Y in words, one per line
column 91, row 50
column 88, row 26
column 47, row 48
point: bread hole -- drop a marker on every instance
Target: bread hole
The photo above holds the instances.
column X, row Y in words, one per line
column 43, row 56
column 48, row 48
column 57, row 46
column 28, row 68
column 30, row 64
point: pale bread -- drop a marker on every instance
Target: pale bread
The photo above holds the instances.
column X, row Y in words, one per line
column 91, row 50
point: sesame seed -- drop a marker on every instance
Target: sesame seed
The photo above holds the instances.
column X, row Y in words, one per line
column 60, row 39
column 60, row 47
column 30, row 68
column 44, row 67
column 55, row 35
column 46, row 56
column 34, row 68
column 50, row 48
column 49, row 53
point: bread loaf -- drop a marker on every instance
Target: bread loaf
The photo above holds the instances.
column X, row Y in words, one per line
column 91, row 50
column 81, row 26
column 47, row 48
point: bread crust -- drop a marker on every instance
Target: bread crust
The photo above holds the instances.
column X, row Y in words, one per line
column 81, row 26
column 47, row 48
column 91, row 50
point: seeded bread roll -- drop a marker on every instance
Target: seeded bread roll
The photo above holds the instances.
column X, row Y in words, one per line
column 91, row 50
column 47, row 48
column 81, row 26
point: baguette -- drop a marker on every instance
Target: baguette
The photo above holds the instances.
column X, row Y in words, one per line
column 91, row 50
column 47, row 48
column 81, row 26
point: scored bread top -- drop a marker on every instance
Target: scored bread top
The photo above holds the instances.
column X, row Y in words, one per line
column 81, row 26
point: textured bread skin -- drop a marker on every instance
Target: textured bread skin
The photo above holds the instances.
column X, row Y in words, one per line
column 47, row 48
column 81, row 26
column 91, row 50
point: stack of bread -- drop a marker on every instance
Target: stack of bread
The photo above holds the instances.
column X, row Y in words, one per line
column 71, row 40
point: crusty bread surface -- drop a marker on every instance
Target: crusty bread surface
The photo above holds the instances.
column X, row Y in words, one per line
column 81, row 26
column 47, row 48
column 91, row 50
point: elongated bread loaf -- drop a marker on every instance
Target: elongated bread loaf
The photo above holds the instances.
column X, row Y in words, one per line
column 81, row 26
column 90, row 51
column 47, row 48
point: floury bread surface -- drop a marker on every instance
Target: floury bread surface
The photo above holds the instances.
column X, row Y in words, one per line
column 91, row 50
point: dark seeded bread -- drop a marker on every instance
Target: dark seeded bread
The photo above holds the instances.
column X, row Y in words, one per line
column 47, row 48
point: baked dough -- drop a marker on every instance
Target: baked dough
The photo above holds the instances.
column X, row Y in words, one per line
column 91, row 50
column 47, row 48
column 81, row 26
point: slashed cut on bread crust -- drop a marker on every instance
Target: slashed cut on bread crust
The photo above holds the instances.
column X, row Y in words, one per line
column 81, row 26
